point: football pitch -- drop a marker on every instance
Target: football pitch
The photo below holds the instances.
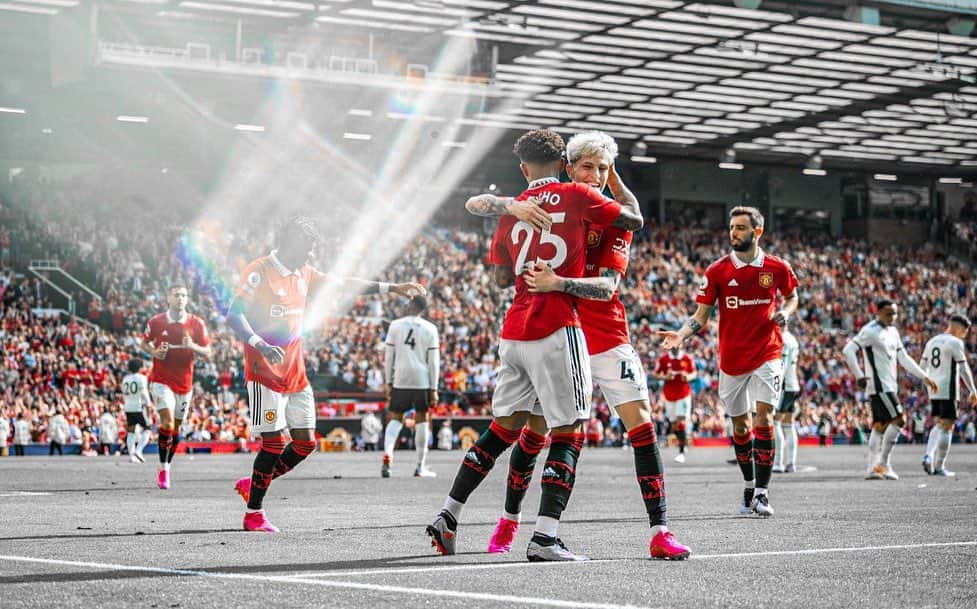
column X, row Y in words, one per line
column 97, row 531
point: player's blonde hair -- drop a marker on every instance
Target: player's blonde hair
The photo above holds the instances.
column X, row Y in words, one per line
column 591, row 143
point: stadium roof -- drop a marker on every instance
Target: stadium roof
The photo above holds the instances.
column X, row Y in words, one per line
column 879, row 84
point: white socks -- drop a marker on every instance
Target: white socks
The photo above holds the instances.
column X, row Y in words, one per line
column 131, row 443
column 790, row 443
column 547, row 525
column 934, row 439
column 888, row 441
column 942, row 448
column 422, row 431
column 453, row 507
column 390, row 438
column 874, row 446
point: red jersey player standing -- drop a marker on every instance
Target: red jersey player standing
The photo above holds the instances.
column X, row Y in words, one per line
column 745, row 283
column 677, row 368
column 266, row 315
column 545, row 368
column 615, row 365
column 173, row 339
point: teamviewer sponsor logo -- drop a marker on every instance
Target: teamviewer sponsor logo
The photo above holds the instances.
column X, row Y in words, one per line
column 732, row 302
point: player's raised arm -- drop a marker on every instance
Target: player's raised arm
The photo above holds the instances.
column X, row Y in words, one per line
column 672, row 338
column 490, row 206
column 365, row 286
column 630, row 218
column 541, row 278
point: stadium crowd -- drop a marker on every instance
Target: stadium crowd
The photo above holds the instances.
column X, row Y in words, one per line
column 55, row 365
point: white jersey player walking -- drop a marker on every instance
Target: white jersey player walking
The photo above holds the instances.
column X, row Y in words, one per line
column 412, row 368
column 135, row 394
column 881, row 348
column 945, row 360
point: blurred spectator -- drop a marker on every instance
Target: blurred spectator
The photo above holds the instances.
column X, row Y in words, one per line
column 370, row 428
column 58, row 433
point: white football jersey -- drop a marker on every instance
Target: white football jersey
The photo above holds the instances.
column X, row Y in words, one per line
column 792, row 352
column 135, row 392
column 413, row 354
column 944, row 359
column 881, row 349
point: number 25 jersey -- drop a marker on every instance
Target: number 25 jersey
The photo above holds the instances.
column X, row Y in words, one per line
column 517, row 245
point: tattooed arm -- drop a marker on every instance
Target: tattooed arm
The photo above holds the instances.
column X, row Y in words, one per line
column 691, row 326
column 491, row 206
column 504, row 277
column 541, row 278
column 630, row 218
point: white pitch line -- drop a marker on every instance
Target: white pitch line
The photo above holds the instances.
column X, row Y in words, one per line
column 471, row 567
column 947, row 544
column 467, row 596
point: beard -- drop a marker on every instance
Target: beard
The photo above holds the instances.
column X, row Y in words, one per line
column 746, row 244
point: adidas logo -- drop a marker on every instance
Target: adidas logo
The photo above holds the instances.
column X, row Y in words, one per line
column 732, row 283
column 549, row 471
column 165, row 333
column 473, row 458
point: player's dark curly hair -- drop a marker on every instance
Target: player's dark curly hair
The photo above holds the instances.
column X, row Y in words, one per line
column 540, row 146
column 135, row 365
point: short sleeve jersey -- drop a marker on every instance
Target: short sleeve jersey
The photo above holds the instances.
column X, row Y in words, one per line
column 675, row 388
column 176, row 369
column 746, row 296
column 605, row 322
column 135, row 393
column 943, row 358
column 412, row 345
column 275, row 298
column 516, row 244
column 880, row 351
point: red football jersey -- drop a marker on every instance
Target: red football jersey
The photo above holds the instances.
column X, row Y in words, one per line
column 176, row 371
column 746, row 295
column 675, row 389
column 275, row 299
column 563, row 247
column 605, row 322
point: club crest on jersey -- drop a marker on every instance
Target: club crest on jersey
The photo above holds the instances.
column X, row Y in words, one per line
column 766, row 280
column 593, row 238
column 270, row 416
column 254, row 278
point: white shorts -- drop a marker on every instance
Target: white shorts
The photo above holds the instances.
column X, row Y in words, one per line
column 165, row 399
column 739, row 394
column 556, row 369
column 273, row 411
column 679, row 408
column 619, row 374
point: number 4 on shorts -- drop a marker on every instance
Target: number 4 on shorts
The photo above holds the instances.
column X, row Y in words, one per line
column 626, row 371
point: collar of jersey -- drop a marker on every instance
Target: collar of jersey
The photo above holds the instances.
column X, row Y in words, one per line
column 281, row 268
column 542, row 182
column 757, row 262
column 173, row 320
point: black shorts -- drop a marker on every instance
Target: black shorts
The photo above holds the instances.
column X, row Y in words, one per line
column 136, row 418
column 945, row 409
column 787, row 402
column 885, row 407
column 402, row 400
